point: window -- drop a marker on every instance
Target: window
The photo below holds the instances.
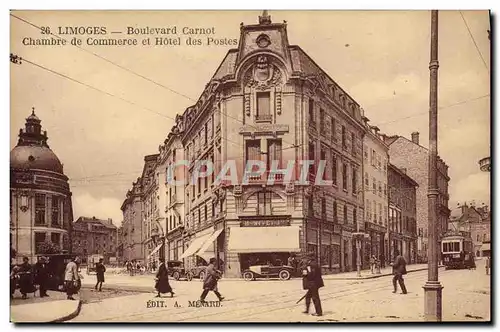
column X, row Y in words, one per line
column 345, row 214
column 344, row 138
column 310, row 206
column 273, row 152
column 323, row 208
column 374, row 186
column 373, row 158
column 321, row 120
column 206, row 213
column 353, row 143
column 312, row 156
column 213, row 208
column 385, row 189
column 199, row 216
column 206, row 133
column 252, row 149
column 344, row 176
column 312, row 121
column 334, row 169
column 334, row 129
column 365, row 152
column 39, row 209
column 264, row 203
column 375, row 212
column 354, row 215
column 55, row 210
column 39, row 239
column 367, row 180
column 368, row 210
column 380, row 213
column 354, row 181
column 335, row 215
column 380, row 189
column 263, row 106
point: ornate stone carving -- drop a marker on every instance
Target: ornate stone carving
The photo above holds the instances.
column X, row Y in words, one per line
column 222, row 195
column 263, row 75
column 290, row 188
column 278, row 101
column 308, row 191
column 263, row 41
column 237, row 191
column 247, row 104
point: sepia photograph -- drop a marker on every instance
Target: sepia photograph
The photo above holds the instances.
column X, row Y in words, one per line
column 250, row 166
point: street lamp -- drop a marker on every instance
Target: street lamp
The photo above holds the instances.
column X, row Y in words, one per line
column 433, row 288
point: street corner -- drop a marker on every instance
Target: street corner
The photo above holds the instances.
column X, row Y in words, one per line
column 45, row 312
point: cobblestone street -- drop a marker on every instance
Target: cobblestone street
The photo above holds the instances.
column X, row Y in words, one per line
column 466, row 297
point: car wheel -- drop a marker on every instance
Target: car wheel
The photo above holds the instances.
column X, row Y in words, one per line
column 284, row 275
column 202, row 276
column 248, row 276
column 176, row 276
column 189, row 276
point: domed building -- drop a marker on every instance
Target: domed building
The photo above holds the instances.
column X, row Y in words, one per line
column 40, row 197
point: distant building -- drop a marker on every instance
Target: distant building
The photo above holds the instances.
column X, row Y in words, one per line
column 95, row 236
column 410, row 155
column 402, row 214
column 375, row 162
column 40, row 197
column 476, row 222
column 133, row 226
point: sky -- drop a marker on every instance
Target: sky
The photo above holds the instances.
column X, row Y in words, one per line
column 380, row 58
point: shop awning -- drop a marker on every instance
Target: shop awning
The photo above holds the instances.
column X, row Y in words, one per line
column 208, row 242
column 486, row 247
column 155, row 250
column 194, row 246
column 264, row 239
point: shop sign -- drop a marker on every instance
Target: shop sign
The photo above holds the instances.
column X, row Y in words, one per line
column 265, row 223
column 375, row 227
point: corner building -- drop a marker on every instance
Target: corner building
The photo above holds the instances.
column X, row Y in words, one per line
column 40, row 197
column 269, row 101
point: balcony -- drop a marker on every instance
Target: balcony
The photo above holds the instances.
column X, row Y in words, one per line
column 263, row 118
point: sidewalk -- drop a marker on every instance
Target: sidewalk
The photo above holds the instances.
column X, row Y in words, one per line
column 145, row 283
column 366, row 274
column 45, row 312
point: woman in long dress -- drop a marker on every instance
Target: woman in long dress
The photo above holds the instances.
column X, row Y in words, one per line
column 162, row 284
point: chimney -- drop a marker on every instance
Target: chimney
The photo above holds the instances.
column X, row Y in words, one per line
column 110, row 221
column 415, row 137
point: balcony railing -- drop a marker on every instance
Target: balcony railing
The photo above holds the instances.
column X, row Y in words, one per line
column 263, row 117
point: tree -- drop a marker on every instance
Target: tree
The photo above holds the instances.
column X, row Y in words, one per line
column 47, row 248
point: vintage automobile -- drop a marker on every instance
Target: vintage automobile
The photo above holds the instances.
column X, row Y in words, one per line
column 282, row 272
column 177, row 271
column 199, row 272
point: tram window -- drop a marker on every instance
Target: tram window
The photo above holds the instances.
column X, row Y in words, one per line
column 451, row 246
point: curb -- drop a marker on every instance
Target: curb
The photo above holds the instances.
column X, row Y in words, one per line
column 375, row 275
column 69, row 316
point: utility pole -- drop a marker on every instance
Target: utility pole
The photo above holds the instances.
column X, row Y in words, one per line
column 433, row 288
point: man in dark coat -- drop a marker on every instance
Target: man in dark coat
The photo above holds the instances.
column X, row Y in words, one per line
column 26, row 283
column 162, row 284
column 312, row 282
column 212, row 277
column 42, row 276
column 100, row 269
column 399, row 269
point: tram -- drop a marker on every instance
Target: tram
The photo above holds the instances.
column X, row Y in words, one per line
column 456, row 251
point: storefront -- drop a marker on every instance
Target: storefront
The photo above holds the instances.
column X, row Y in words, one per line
column 376, row 241
column 201, row 247
column 260, row 242
column 348, row 249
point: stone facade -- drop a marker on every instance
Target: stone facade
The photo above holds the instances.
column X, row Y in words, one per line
column 94, row 236
column 375, row 163
column 475, row 221
column 40, row 197
column 402, row 214
column 132, row 234
column 412, row 158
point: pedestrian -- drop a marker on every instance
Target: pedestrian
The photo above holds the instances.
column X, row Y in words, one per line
column 488, row 265
column 154, row 266
column 162, row 284
column 14, row 280
column 100, row 269
column 372, row 263
column 42, row 276
column 72, row 278
column 26, row 283
column 399, row 269
column 211, row 280
column 312, row 281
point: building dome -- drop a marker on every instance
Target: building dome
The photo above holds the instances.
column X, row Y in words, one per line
column 35, row 157
column 32, row 150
